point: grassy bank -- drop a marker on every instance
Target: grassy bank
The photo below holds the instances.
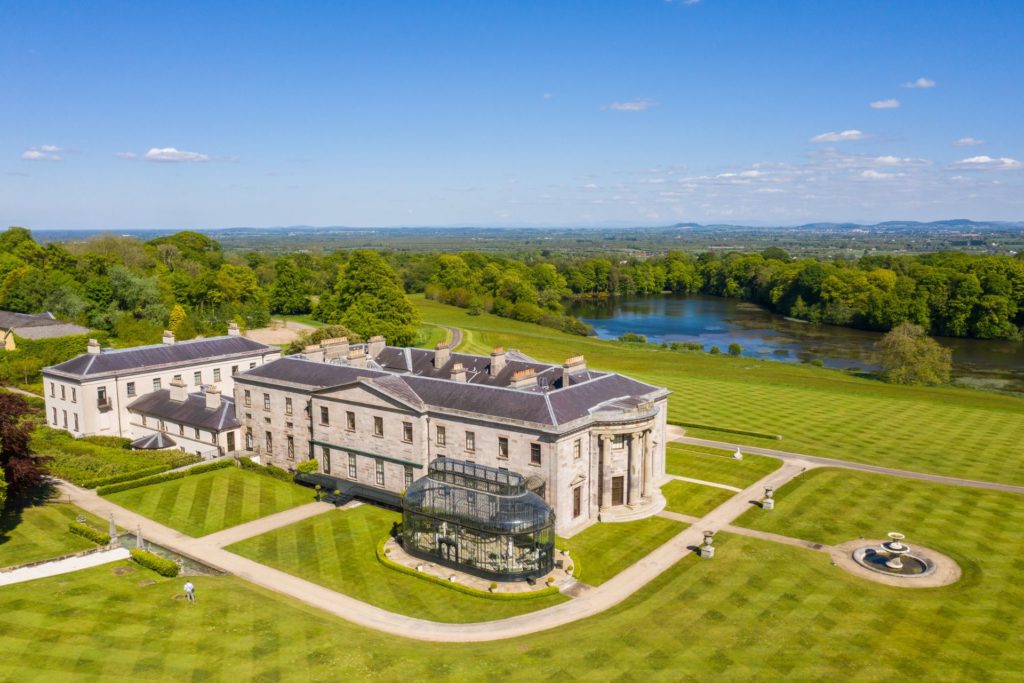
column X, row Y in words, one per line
column 946, row 430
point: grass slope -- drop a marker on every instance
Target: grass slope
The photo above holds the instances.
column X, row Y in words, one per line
column 604, row 550
column 952, row 431
column 712, row 464
column 337, row 550
column 40, row 532
column 758, row 611
column 204, row 503
column 693, row 499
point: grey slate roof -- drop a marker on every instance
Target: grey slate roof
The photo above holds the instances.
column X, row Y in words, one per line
column 38, row 325
column 192, row 411
column 115, row 362
column 154, row 442
column 409, row 375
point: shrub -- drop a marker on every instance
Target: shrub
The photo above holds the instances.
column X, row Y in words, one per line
column 161, row 565
column 686, row 346
column 714, row 349
column 160, row 478
column 735, row 349
column 86, row 531
column 633, row 337
column 127, row 476
column 269, row 470
column 308, row 467
column 817, row 362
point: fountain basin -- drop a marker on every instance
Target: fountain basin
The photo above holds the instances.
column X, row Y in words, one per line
column 911, row 565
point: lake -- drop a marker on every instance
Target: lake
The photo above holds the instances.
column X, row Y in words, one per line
column 709, row 320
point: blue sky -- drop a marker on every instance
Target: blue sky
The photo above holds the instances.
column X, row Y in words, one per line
column 145, row 114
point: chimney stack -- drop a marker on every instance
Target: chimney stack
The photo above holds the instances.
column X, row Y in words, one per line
column 357, row 358
column 233, row 330
column 458, row 373
column 313, row 352
column 575, row 364
column 524, row 379
column 168, row 337
column 336, row 347
column 94, row 347
column 441, row 355
column 212, row 397
column 375, row 346
column 179, row 391
column 497, row 361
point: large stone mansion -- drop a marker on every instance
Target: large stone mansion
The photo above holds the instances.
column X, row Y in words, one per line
column 591, row 443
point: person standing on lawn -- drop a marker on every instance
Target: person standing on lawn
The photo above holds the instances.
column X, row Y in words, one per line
column 190, row 592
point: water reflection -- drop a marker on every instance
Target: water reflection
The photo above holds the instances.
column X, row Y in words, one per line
column 993, row 364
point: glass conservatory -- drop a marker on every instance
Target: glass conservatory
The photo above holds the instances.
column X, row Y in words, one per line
column 480, row 520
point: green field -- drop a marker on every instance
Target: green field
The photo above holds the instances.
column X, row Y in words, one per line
column 337, row 550
column 40, row 532
column 204, row 503
column 693, row 499
column 712, row 464
column 430, row 335
column 603, row 550
column 758, row 611
column 951, row 431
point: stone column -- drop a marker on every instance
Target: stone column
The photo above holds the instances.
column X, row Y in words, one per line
column 648, row 464
column 635, row 456
column 604, row 481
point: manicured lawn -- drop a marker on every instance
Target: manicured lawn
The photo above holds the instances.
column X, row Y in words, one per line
column 953, row 431
column 605, row 549
column 430, row 335
column 40, row 532
column 719, row 466
column 208, row 502
column 758, row 611
column 337, row 550
column 693, row 499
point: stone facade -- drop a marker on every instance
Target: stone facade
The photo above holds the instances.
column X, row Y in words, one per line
column 362, row 424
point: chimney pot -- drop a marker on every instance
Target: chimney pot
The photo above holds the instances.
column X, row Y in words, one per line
column 442, row 354
column 458, row 373
column 93, row 347
column 375, row 346
column 497, row 360
column 168, row 337
column 357, row 358
column 212, row 397
column 233, row 330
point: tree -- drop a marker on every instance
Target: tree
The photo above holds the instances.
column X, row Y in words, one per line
column 177, row 319
column 21, row 469
column 290, row 292
column 909, row 356
column 735, row 349
column 3, row 490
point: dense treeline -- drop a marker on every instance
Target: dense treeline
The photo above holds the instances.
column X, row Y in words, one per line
column 948, row 294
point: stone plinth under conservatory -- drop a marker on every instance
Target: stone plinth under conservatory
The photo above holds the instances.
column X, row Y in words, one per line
column 480, row 520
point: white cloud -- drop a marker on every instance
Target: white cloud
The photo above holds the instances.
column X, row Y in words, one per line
column 631, row 105
column 885, row 104
column 984, row 163
column 843, row 136
column 172, row 155
column 872, row 174
column 43, row 153
column 968, row 142
column 920, row 83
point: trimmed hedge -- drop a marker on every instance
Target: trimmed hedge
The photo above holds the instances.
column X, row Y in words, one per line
column 730, row 430
column 127, row 476
column 269, row 470
column 161, row 478
column 161, row 565
column 87, row 532
column 487, row 595
column 308, row 467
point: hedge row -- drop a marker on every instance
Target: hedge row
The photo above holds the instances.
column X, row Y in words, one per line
column 160, row 478
column 127, row 476
column 86, row 531
column 269, row 470
column 730, row 430
column 487, row 595
column 161, row 565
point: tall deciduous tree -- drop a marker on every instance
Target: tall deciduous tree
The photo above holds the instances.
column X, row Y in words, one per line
column 909, row 356
column 22, row 470
column 290, row 293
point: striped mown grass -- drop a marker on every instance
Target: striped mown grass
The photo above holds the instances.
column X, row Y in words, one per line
column 204, row 503
column 759, row 610
column 693, row 499
column 711, row 464
column 605, row 549
column 944, row 430
column 337, row 550
column 40, row 532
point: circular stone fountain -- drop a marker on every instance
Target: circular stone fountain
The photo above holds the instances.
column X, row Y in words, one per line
column 893, row 557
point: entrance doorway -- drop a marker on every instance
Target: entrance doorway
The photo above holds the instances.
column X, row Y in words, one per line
column 618, row 485
column 231, row 442
column 448, row 550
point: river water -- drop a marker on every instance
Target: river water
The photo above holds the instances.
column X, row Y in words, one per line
column 709, row 320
